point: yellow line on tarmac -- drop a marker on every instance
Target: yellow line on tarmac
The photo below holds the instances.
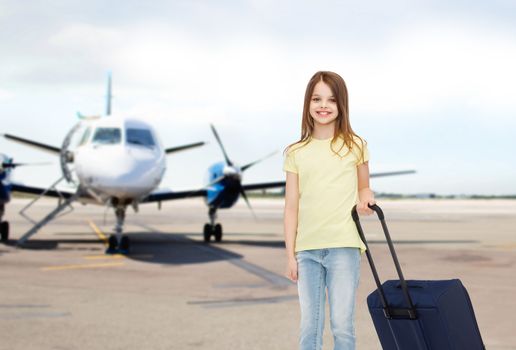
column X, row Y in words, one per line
column 504, row 246
column 105, row 257
column 99, row 233
column 117, row 256
column 104, row 240
column 83, row 266
column 508, row 246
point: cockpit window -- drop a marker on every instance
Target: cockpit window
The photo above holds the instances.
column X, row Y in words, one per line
column 140, row 137
column 85, row 136
column 107, row 136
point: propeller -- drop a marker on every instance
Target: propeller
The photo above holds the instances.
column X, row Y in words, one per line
column 242, row 169
column 228, row 161
column 242, row 192
column 10, row 165
column 220, row 178
column 66, row 156
column 247, row 166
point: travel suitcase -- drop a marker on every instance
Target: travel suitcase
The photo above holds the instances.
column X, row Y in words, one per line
column 419, row 315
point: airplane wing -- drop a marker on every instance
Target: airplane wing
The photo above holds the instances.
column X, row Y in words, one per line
column 38, row 191
column 182, row 148
column 264, row 185
column 250, row 187
column 392, row 173
column 164, row 196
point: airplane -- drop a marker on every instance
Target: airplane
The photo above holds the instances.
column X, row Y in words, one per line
column 119, row 162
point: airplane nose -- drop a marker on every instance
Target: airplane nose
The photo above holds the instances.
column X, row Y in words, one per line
column 127, row 166
column 122, row 172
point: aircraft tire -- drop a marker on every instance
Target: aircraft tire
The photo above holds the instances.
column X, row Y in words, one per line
column 207, row 233
column 125, row 244
column 218, row 232
column 112, row 245
column 4, row 228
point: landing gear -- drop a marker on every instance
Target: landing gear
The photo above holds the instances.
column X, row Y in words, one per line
column 218, row 232
column 112, row 245
column 118, row 243
column 215, row 230
column 115, row 248
column 211, row 228
column 4, row 231
column 124, row 245
column 207, row 232
column 4, row 225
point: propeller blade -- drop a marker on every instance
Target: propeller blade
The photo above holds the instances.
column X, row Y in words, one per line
column 228, row 162
column 242, row 192
column 214, row 181
column 14, row 165
column 258, row 161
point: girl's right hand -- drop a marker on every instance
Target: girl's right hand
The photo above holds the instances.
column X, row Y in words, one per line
column 292, row 269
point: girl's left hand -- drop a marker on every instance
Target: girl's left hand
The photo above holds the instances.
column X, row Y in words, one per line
column 363, row 209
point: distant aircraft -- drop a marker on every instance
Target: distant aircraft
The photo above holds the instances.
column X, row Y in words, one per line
column 119, row 162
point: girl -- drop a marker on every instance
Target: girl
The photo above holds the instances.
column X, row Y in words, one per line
column 327, row 173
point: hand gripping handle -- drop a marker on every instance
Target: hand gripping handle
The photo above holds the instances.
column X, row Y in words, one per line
column 410, row 312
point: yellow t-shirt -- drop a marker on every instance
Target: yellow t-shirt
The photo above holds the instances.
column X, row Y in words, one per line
column 328, row 190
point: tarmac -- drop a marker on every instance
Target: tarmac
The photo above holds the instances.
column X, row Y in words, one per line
column 173, row 291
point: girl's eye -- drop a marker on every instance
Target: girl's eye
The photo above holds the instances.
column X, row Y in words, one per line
column 333, row 100
column 315, row 99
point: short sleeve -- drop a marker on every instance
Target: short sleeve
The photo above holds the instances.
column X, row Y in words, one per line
column 290, row 162
column 366, row 155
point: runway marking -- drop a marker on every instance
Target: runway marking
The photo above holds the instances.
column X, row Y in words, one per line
column 32, row 315
column 99, row 233
column 506, row 246
column 105, row 257
column 23, row 306
column 269, row 276
column 228, row 256
column 243, row 301
column 117, row 256
column 81, row 266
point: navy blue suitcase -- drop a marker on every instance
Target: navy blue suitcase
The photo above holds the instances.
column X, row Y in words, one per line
column 420, row 315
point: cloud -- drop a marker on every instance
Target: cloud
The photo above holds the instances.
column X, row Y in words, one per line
column 436, row 65
column 432, row 76
column 6, row 95
column 415, row 71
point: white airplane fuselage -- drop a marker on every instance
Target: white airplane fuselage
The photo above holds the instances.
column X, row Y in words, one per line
column 119, row 157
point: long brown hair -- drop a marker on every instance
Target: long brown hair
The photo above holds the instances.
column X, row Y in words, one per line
column 342, row 124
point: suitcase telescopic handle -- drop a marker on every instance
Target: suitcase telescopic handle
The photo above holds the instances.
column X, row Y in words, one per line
column 390, row 312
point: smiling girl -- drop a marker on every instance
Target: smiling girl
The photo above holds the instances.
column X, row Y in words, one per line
column 327, row 174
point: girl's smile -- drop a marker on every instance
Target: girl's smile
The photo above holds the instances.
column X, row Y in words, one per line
column 323, row 113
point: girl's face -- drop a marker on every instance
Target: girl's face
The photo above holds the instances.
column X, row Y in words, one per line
column 323, row 105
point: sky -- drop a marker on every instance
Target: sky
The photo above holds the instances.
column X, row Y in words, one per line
column 431, row 83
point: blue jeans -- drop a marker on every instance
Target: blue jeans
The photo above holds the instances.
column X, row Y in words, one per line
column 338, row 269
